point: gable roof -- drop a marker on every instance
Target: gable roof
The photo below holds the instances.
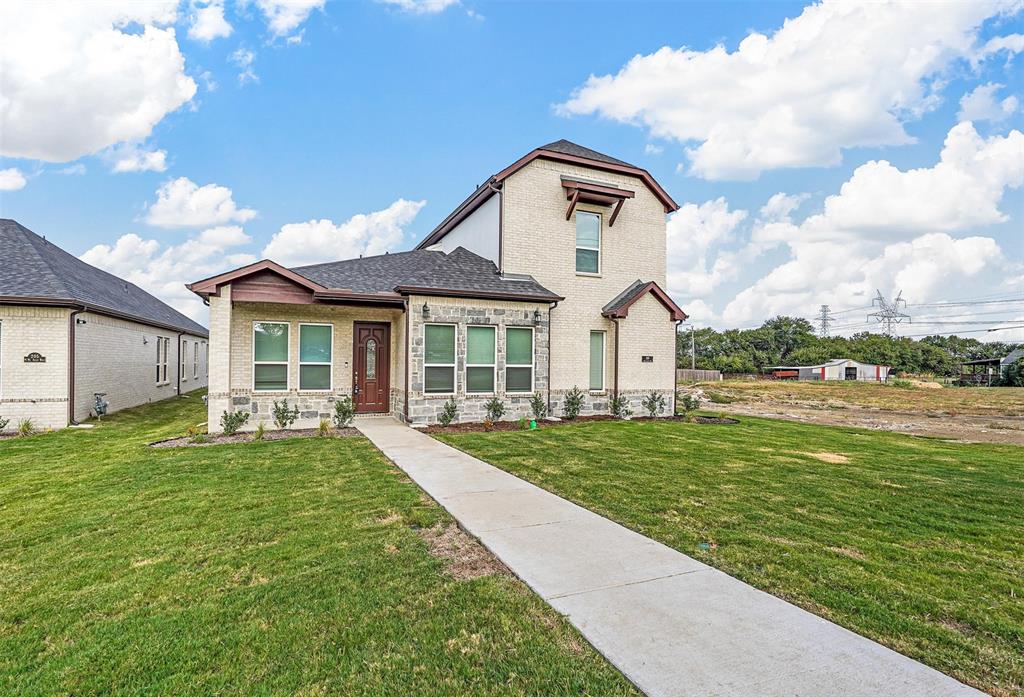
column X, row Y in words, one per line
column 620, row 304
column 35, row 271
column 460, row 273
column 562, row 151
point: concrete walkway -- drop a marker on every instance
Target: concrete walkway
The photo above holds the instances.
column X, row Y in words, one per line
column 672, row 625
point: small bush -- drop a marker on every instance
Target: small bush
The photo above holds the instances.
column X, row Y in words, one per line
column 3, row 423
column 230, row 423
column 26, row 427
column 448, row 412
column 538, row 406
column 323, row 429
column 488, row 424
column 284, row 416
column 573, row 403
column 901, row 383
column 260, row 431
column 495, row 409
column 687, row 403
column 196, row 434
column 524, row 425
column 344, row 412
column 654, row 403
column 620, row 407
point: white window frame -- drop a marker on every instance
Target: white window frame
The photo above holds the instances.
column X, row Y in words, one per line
column 329, row 364
column 195, row 360
column 184, row 357
column 1, row 358
column 162, row 349
column 493, row 365
column 600, row 237
column 287, row 362
column 604, row 361
column 532, row 364
column 454, row 366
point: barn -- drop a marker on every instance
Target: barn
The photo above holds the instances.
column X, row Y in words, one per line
column 835, row 369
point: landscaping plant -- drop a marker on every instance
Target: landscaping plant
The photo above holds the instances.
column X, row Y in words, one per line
column 26, row 427
column 687, row 403
column 284, row 416
column 448, row 412
column 196, row 434
column 230, row 423
column 3, row 423
column 260, row 431
column 323, row 429
column 344, row 412
column 654, row 403
column 573, row 403
column 524, row 425
column 619, row 406
column 538, row 405
column 495, row 409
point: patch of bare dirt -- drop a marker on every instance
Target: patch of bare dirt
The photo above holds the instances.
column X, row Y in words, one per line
column 833, row 458
column 847, row 552
column 221, row 439
column 465, row 558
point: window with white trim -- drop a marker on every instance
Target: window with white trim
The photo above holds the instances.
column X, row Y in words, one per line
column 315, row 351
column 588, row 242
column 270, row 356
column 195, row 360
column 480, row 353
column 519, row 359
column 1, row 358
column 597, row 360
column 184, row 354
column 439, row 358
column 162, row 349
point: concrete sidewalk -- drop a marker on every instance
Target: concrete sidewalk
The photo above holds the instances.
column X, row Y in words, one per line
column 672, row 625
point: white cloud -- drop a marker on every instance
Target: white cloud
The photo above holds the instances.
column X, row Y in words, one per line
column 183, row 203
column 422, row 7
column 11, row 179
column 76, row 169
column 779, row 207
column 79, row 77
column 244, row 58
column 980, row 104
column 129, row 157
column 207, row 22
column 318, row 241
column 285, row 16
column 693, row 231
column 164, row 270
column 652, row 149
column 840, row 75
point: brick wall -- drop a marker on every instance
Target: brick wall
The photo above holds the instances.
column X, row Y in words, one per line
column 37, row 391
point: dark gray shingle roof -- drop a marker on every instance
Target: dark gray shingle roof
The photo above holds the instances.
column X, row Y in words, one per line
column 461, row 271
column 31, row 267
column 567, row 147
column 623, row 298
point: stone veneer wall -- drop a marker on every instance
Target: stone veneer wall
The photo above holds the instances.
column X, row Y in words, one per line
column 424, row 408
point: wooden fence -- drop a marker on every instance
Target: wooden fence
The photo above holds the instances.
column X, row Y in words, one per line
column 687, row 375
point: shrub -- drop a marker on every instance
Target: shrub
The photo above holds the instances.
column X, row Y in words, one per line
column 488, row 424
column 26, row 427
column 620, row 407
column 323, row 429
column 196, row 434
column 448, row 412
column 524, row 425
column 344, row 412
column 573, row 403
column 538, row 406
column 284, row 416
column 259, row 432
column 901, row 383
column 654, row 403
column 3, row 423
column 230, row 423
column 688, row 403
column 495, row 409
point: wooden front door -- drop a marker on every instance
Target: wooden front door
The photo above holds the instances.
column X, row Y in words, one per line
column 371, row 366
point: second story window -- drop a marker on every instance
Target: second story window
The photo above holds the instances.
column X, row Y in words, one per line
column 588, row 242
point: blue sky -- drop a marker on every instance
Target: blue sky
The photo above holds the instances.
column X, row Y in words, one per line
column 397, row 110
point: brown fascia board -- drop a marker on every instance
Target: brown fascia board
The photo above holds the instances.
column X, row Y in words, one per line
column 208, row 286
column 347, row 296
column 678, row 314
column 97, row 309
column 481, row 294
column 461, row 212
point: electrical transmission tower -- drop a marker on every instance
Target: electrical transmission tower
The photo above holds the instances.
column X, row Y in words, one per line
column 889, row 313
column 824, row 320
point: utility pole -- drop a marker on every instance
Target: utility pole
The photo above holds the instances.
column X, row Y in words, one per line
column 889, row 312
column 824, row 320
column 693, row 350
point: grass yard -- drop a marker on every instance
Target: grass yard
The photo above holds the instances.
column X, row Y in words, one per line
column 285, row 567
column 917, row 543
column 980, row 401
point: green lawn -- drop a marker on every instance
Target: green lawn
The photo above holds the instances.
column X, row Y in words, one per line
column 917, row 543
column 269, row 568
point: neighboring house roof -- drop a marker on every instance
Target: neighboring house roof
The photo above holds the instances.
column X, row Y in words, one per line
column 562, row 151
column 34, row 271
column 827, row 364
column 1003, row 362
column 620, row 304
column 460, row 273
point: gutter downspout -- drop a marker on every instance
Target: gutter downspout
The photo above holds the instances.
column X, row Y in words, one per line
column 405, row 370
column 679, row 322
column 615, row 385
column 550, row 308
column 71, row 365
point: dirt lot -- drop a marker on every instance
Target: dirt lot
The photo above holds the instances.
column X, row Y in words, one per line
column 988, row 415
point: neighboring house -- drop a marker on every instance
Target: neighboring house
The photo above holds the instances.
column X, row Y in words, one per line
column 549, row 276
column 983, row 371
column 836, row 369
column 69, row 330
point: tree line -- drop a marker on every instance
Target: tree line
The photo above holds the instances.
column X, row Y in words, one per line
column 792, row 341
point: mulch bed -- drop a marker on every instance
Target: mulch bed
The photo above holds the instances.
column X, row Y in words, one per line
column 186, row 442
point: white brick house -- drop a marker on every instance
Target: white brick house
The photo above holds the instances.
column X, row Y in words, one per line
column 549, row 276
column 69, row 330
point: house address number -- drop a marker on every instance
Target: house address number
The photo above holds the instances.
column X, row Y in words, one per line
column 35, row 357
column 647, row 359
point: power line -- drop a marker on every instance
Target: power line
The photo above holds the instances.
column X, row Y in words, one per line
column 889, row 312
column 824, row 320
